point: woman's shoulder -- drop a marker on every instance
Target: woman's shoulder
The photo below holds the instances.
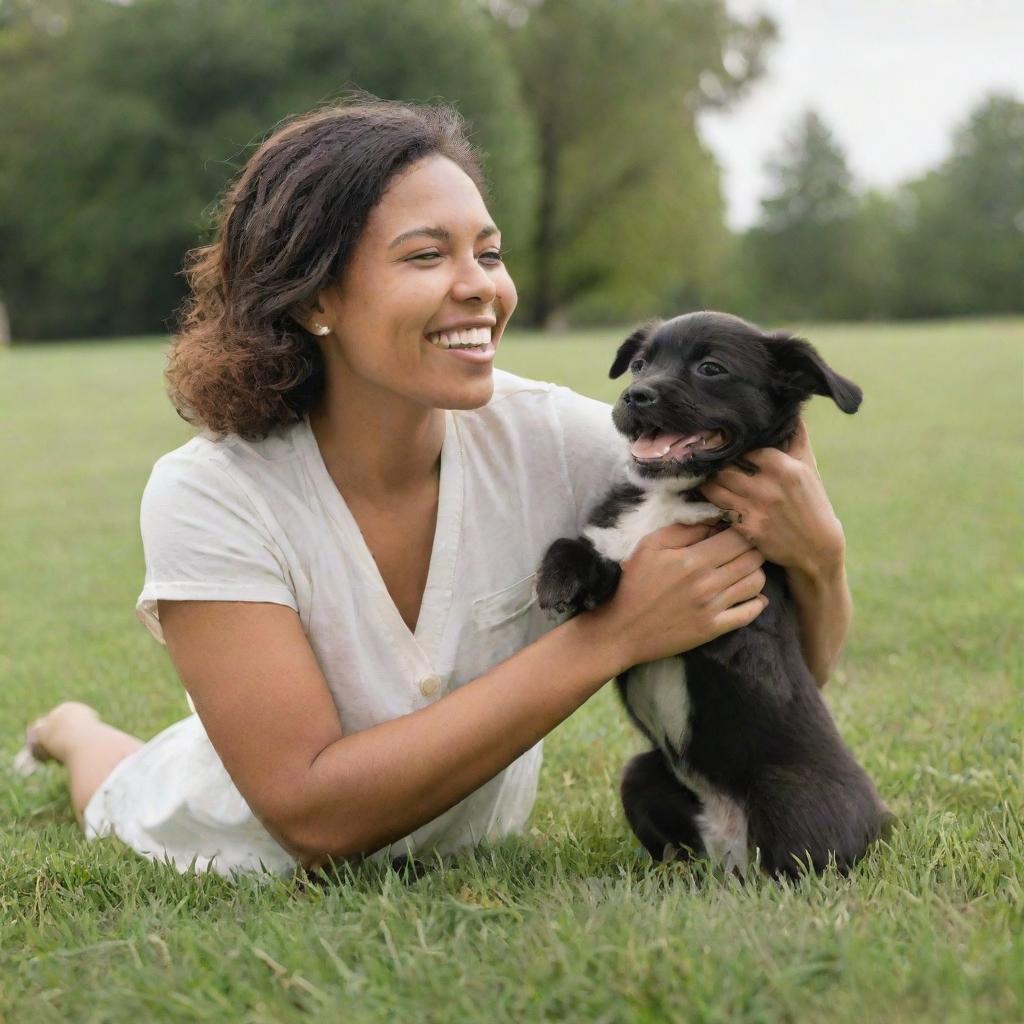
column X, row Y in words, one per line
column 208, row 454
column 535, row 406
column 210, row 469
column 514, row 395
column 207, row 447
column 552, row 431
column 510, row 385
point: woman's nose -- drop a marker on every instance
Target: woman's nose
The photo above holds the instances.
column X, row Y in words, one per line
column 473, row 283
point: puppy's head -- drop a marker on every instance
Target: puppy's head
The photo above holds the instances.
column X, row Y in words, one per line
column 708, row 387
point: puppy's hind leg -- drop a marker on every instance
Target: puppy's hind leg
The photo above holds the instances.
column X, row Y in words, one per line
column 574, row 577
column 660, row 810
column 799, row 821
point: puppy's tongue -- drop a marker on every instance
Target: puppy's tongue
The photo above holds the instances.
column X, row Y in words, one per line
column 660, row 446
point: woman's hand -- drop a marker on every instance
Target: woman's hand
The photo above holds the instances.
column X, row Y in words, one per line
column 785, row 512
column 680, row 588
column 784, row 509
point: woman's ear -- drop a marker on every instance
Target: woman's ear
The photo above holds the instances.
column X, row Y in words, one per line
column 805, row 373
column 629, row 348
column 310, row 316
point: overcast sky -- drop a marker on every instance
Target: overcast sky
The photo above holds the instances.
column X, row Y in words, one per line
column 890, row 77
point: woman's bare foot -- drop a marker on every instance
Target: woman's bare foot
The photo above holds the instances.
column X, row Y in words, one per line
column 75, row 735
column 47, row 737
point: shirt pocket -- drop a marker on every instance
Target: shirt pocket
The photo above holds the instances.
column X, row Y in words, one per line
column 507, row 606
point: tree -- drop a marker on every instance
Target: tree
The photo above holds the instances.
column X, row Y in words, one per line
column 123, row 122
column 628, row 210
column 963, row 246
column 800, row 253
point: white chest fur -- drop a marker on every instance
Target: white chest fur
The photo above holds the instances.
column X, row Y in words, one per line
column 657, row 695
column 656, row 692
column 659, row 507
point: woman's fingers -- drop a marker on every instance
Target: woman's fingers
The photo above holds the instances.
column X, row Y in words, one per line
column 800, row 446
column 739, row 568
column 722, row 548
column 678, row 591
column 730, row 485
column 744, row 589
column 741, row 614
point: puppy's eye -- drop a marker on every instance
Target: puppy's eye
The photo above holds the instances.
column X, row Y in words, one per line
column 637, row 365
column 709, row 368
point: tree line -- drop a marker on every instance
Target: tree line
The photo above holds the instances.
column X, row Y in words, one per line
column 122, row 122
column 949, row 243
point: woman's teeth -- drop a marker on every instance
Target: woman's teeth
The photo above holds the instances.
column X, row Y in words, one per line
column 474, row 337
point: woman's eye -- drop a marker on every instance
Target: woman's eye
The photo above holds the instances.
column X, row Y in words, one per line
column 711, row 369
column 493, row 256
column 637, row 365
column 425, row 257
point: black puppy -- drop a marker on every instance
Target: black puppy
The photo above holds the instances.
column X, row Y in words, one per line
column 746, row 756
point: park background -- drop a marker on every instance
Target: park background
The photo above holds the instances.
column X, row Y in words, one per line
column 120, row 125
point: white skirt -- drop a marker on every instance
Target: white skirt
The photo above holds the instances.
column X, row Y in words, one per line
column 173, row 800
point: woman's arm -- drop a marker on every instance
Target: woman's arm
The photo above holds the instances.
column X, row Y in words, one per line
column 268, row 712
column 825, row 610
column 785, row 511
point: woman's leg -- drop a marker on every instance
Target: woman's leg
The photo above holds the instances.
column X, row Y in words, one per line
column 76, row 736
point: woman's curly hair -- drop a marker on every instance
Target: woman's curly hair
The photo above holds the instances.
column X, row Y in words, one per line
column 241, row 363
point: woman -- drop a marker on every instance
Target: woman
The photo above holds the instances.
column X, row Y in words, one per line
column 341, row 563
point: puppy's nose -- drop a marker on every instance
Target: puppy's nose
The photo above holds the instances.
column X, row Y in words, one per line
column 640, row 396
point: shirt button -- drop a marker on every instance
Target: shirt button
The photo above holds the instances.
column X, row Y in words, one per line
column 429, row 685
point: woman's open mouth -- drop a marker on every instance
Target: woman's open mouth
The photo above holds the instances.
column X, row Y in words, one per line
column 660, row 446
column 471, row 345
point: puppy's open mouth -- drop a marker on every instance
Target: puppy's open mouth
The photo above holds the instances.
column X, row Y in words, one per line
column 659, row 446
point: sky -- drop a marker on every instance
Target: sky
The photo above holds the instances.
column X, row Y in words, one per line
column 891, row 78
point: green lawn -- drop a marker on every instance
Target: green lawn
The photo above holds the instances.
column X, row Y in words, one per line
column 570, row 921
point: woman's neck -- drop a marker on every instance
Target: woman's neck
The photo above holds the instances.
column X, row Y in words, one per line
column 378, row 446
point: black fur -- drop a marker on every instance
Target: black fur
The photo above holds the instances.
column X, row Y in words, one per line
column 758, row 729
column 659, row 810
column 574, row 577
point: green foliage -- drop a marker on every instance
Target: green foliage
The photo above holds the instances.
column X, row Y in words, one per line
column 964, row 243
column 125, row 122
column 569, row 921
column 799, row 254
column 628, row 212
column 951, row 242
column 122, row 123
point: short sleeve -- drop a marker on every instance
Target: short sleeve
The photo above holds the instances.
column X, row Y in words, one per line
column 204, row 540
column 595, row 452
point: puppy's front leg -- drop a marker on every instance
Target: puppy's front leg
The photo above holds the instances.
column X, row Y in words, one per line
column 661, row 811
column 574, row 577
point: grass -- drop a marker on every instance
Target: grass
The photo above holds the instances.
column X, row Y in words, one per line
column 568, row 921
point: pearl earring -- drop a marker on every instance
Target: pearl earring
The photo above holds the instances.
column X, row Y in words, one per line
column 321, row 329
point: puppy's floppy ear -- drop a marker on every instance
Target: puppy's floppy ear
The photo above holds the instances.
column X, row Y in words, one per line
column 805, row 373
column 631, row 346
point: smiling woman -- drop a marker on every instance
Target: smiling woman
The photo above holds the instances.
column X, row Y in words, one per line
column 341, row 563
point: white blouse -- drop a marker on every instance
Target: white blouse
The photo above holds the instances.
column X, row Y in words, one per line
column 233, row 520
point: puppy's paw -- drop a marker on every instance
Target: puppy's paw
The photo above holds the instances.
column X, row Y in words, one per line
column 574, row 577
column 561, row 580
column 700, row 512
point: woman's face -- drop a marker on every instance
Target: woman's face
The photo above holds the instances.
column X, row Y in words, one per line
column 427, row 273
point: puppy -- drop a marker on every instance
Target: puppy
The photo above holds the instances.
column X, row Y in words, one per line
column 746, row 760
